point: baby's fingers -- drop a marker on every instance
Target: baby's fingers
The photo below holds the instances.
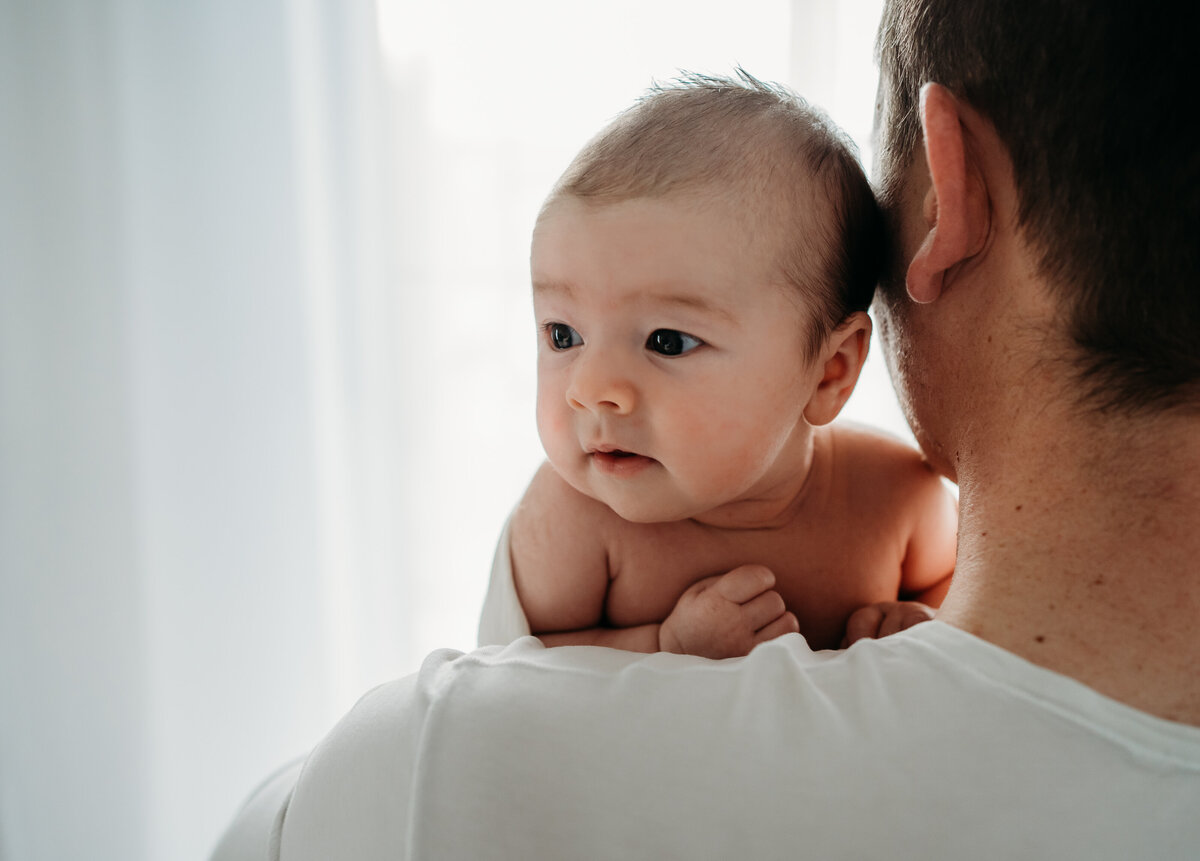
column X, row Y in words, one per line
column 863, row 624
column 903, row 616
column 785, row 624
column 742, row 584
column 763, row 610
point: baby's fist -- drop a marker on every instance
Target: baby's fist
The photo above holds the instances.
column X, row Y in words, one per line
column 883, row 619
column 727, row 615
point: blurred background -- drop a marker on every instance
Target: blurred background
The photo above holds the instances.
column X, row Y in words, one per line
column 267, row 359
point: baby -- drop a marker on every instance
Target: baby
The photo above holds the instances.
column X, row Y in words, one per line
column 701, row 275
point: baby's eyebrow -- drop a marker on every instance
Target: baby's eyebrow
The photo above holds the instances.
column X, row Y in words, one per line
column 562, row 287
column 688, row 301
column 695, row 303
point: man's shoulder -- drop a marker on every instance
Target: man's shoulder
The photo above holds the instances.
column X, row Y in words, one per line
column 519, row 751
column 932, row 677
column 528, row 675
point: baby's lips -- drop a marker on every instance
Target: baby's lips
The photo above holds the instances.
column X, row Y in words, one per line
column 612, row 451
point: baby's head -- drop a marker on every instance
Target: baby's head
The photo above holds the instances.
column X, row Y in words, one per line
column 700, row 277
column 778, row 164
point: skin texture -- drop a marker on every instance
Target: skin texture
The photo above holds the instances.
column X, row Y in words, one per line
column 700, row 502
column 1078, row 536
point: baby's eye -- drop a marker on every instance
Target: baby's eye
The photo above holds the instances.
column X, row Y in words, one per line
column 562, row 336
column 669, row 342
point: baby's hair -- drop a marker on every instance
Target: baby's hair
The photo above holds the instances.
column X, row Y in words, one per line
column 794, row 172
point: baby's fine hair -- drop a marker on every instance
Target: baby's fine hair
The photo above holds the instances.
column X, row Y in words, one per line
column 793, row 171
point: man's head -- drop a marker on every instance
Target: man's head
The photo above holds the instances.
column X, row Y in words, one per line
column 788, row 172
column 1095, row 105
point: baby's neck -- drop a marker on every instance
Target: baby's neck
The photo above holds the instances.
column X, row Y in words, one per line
column 799, row 475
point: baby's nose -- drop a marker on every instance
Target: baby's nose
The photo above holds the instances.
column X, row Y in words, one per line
column 599, row 385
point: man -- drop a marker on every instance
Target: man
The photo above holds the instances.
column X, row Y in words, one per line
column 1040, row 324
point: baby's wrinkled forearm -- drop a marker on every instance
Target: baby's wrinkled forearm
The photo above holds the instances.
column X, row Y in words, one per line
column 641, row 638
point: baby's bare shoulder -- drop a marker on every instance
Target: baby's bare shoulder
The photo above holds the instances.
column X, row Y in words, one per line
column 559, row 554
column 875, row 446
column 890, row 483
column 553, row 514
column 871, row 462
column 550, row 497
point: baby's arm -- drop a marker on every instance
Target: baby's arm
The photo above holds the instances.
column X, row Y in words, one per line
column 928, row 563
column 560, row 567
column 727, row 615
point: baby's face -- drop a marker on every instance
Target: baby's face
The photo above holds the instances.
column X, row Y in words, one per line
column 672, row 375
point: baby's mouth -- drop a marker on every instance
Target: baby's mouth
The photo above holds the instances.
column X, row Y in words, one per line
column 619, row 462
column 616, row 453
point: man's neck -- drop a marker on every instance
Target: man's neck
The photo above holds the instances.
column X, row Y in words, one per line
column 1080, row 551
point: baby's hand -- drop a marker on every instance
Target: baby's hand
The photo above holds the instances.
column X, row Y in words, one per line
column 727, row 615
column 886, row 617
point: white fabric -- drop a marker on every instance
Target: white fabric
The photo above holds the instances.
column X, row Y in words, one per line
column 202, row 422
column 928, row 744
column 256, row 831
column 503, row 619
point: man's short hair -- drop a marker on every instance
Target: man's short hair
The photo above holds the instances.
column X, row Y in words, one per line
column 795, row 173
column 1097, row 104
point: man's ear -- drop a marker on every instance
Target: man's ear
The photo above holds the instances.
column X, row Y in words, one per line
column 955, row 208
column 841, row 362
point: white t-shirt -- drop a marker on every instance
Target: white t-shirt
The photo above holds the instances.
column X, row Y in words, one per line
column 503, row 618
column 929, row 744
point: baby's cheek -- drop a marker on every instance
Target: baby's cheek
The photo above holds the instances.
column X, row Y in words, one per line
column 552, row 424
column 743, row 450
column 715, row 452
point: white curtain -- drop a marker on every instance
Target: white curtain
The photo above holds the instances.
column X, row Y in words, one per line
column 266, row 360
column 201, row 508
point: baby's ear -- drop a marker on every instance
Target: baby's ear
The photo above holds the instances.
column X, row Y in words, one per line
column 841, row 362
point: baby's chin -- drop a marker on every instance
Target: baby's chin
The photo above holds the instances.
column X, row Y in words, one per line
column 629, row 505
column 646, row 510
